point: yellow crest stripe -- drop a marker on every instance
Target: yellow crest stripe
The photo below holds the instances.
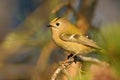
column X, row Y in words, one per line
column 55, row 19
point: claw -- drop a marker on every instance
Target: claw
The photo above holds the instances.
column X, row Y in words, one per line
column 69, row 56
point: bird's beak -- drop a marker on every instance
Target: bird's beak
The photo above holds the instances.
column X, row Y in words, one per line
column 49, row 25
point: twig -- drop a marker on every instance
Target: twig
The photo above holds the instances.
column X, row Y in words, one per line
column 65, row 64
column 54, row 76
column 67, row 74
column 95, row 60
column 62, row 67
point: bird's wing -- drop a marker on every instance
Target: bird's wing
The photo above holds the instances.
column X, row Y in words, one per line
column 79, row 38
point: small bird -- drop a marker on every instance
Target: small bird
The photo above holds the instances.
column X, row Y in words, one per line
column 70, row 38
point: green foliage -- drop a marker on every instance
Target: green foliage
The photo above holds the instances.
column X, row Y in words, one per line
column 111, row 34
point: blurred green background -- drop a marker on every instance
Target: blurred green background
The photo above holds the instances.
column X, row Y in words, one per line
column 26, row 48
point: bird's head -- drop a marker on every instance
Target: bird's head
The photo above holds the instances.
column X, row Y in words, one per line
column 60, row 25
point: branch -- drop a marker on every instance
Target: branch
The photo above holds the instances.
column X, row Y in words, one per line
column 62, row 68
column 91, row 59
column 56, row 73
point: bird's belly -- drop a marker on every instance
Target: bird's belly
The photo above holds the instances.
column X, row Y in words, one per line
column 77, row 48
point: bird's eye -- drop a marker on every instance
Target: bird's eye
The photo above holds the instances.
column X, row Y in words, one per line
column 57, row 24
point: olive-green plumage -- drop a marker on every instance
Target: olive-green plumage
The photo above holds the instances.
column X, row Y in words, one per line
column 69, row 38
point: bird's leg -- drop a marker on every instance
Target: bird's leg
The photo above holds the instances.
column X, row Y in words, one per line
column 75, row 57
column 69, row 60
column 69, row 56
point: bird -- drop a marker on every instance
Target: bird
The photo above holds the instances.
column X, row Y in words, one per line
column 70, row 38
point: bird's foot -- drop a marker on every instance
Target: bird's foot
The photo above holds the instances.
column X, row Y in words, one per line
column 69, row 56
column 74, row 57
